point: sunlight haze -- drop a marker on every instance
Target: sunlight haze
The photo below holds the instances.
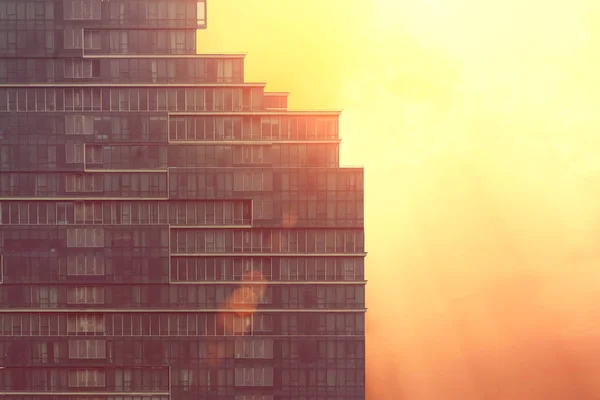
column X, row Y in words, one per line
column 477, row 123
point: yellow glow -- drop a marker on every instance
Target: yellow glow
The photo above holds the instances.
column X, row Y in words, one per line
column 477, row 122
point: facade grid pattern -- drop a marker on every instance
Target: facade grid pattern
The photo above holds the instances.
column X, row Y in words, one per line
column 168, row 231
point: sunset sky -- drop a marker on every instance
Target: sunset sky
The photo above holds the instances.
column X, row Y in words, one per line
column 477, row 123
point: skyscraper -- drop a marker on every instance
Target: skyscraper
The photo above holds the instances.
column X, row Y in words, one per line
column 167, row 230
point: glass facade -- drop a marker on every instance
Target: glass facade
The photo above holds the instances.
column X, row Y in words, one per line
column 167, row 230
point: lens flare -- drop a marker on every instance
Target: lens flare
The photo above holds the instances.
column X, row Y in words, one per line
column 239, row 308
column 290, row 219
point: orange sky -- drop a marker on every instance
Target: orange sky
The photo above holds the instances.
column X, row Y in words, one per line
column 477, row 124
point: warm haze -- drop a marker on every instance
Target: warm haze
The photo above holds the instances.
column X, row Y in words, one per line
column 477, row 124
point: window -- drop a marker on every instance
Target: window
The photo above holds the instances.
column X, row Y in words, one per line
column 82, row 9
column 79, row 124
column 117, row 11
column 201, row 13
column 119, row 42
column 253, row 348
column 94, row 154
column 349, row 270
column 185, row 378
column 253, row 376
column 41, row 185
column 225, row 70
column 85, row 265
column 49, row 41
column 242, row 324
column 46, row 297
column 85, row 237
column 73, row 152
column 263, row 323
column 123, row 380
column 352, row 182
column 87, row 378
column 87, row 348
column 3, row 66
column 91, row 40
column 180, row 41
column 73, row 68
column 64, row 213
column 95, row 72
column 270, row 127
column 41, row 351
column 84, row 183
column 85, row 323
column 154, row 70
column 73, row 38
column 88, row 213
column 85, row 295
column 255, row 294
column 123, row 100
